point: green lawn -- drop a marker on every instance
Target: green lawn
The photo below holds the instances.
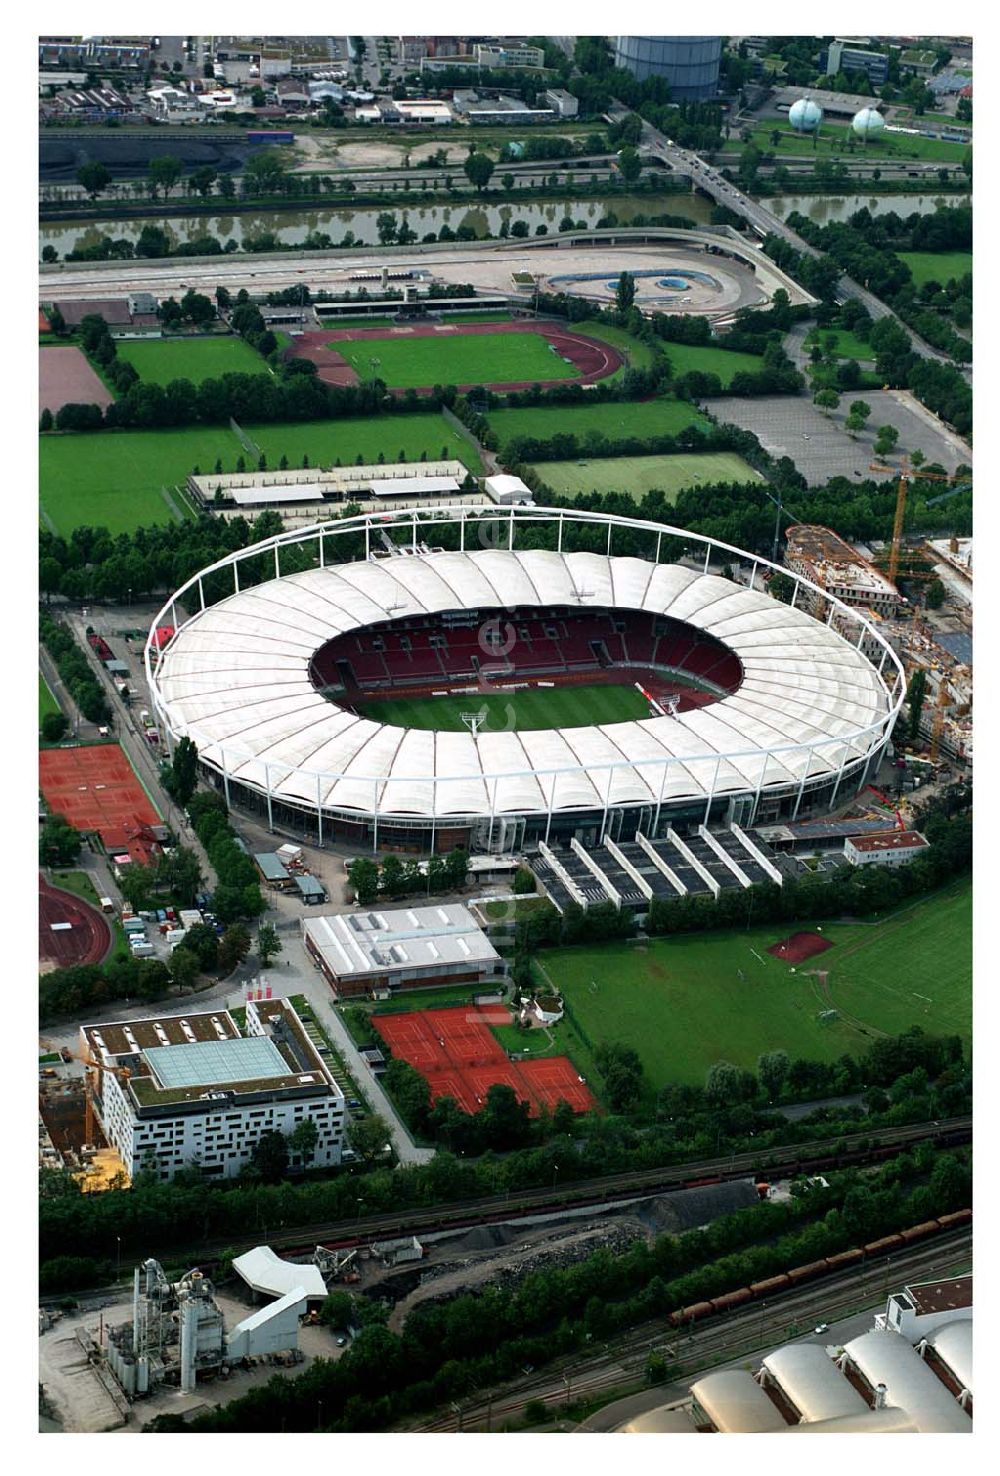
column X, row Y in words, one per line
column 685, row 357
column 539, row 707
column 639, row 354
column 936, row 266
column 848, row 345
column 159, row 360
column 660, row 417
column 323, row 441
column 832, row 144
column 46, row 702
column 638, row 475
column 462, row 358
column 682, row 1003
column 113, row 479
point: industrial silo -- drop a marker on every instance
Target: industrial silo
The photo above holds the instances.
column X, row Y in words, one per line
column 690, row 64
column 805, row 116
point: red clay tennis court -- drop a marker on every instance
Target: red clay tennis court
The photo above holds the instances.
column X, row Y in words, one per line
column 95, row 788
column 799, row 947
column 86, row 939
column 460, row 1057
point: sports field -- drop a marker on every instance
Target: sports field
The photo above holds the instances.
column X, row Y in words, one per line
column 159, row 360
column 114, row 479
column 538, row 707
column 323, row 441
column 936, row 266
column 638, row 355
column 46, row 702
column 660, row 417
column 683, row 1004
column 638, row 475
column 686, row 357
column 490, row 358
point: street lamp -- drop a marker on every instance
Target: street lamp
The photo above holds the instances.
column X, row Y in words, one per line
column 119, row 1256
column 360, row 1203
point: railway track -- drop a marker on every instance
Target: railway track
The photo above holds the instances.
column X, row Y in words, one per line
column 828, row 1153
column 622, row 1365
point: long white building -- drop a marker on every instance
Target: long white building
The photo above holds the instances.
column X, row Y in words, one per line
column 176, row 1089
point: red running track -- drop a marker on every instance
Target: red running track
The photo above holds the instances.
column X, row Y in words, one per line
column 461, row 1058
column 86, row 940
column 594, row 360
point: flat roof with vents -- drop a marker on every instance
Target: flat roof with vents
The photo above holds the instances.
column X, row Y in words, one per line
column 216, row 1062
column 407, row 940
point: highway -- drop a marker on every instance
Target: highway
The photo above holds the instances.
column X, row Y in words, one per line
column 620, row 1365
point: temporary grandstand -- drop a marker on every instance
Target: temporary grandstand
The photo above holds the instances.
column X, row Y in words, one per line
column 757, row 710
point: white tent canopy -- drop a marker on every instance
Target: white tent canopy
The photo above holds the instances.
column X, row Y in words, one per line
column 265, row 1272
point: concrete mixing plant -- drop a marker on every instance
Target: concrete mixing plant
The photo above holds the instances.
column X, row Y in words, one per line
column 690, row 64
column 805, row 116
column 867, row 124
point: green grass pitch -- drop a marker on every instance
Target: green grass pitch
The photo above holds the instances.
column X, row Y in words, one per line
column 538, row 707
column 159, row 360
column 613, row 418
column 685, row 357
column 638, row 475
column 462, row 358
column 682, row 1003
column 936, row 266
column 848, row 345
column 112, row 479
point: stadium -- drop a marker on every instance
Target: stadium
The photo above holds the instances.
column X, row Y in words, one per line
column 495, row 677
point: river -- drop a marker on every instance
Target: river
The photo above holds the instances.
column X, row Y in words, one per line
column 293, row 226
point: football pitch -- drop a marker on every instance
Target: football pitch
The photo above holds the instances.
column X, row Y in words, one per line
column 465, row 358
column 612, row 418
column 638, row 475
column 685, row 357
column 936, row 266
column 688, row 1001
column 504, row 712
column 159, row 360
column 123, row 480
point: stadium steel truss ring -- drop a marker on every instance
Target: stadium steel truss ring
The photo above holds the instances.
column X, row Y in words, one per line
column 809, row 721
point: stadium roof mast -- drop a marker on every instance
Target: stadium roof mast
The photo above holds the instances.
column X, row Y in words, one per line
column 474, row 720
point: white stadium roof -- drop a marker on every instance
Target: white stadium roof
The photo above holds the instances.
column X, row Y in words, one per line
column 236, row 680
column 813, row 1382
column 884, row 1357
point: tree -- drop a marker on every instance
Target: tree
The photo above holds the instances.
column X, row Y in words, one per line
column 504, row 1117
column 203, row 942
column 269, row 1157
column 164, row 173
column 184, row 967
column 722, row 1084
column 94, row 178
column 181, row 776
column 369, row 1136
column 622, row 1071
column 781, row 587
column 858, row 417
column 507, row 180
column 915, row 694
column 303, row 1139
column 935, row 594
column 524, row 881
column 826, row 400
column 269, row 944
column 772, row 1068
column 137, row 883
column 179, row 872
column 363, row 877
column 478, row 170
column 234, row 945
column 59, row 843
column 629, row 165
column 625, row 292
column 45, row 420
column 456, row 865
column 337, row 1311
column 55, row 725
column 885, row 441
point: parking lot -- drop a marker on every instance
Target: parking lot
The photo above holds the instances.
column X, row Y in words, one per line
column 818, row 444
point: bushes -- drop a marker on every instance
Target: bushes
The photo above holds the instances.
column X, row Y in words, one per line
column 237, row 894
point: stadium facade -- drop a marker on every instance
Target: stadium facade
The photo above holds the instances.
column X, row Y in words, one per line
column 796, row 722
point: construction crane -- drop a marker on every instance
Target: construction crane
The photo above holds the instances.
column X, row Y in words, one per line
column 122, row 1072
column 907, row 474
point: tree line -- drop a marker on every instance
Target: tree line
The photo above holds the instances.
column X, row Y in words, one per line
column 74, row 668
column 395, row 878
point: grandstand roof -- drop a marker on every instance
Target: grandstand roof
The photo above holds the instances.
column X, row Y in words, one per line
column 236, row 680
column 952, row 1342
column 812, row 1381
